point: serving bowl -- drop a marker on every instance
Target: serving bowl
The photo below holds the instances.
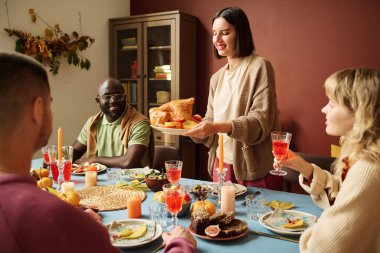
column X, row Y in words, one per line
column 155, row 184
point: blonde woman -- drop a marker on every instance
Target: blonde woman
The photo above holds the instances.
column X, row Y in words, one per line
column 350, row 196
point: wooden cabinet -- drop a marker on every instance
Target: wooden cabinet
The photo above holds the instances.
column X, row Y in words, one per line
column 153, row 55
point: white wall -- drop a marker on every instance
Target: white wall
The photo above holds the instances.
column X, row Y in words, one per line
column 73, row 89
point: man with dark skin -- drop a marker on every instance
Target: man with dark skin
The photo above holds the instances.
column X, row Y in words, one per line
column 118, row 136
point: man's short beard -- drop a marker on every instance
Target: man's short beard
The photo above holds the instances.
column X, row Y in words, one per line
column 43, row 136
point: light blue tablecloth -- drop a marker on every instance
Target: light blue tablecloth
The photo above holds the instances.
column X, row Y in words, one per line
column 249, row 243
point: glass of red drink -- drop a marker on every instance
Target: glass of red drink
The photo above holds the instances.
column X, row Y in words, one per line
column 174, row 194
column 280, row 146
column 67, row 156
column 173, row 170
column 53, row 158
column 45, row 157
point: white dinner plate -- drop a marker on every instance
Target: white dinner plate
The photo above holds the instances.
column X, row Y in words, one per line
column 239, row 189
column 171, row 131
column 154, row 231
column 277, row 226
column 136, row 174
column 99, row 167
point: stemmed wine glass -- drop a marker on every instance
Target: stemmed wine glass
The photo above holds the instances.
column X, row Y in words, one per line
column 53, row 157
column 173, row 170
column 174, row 194
column 280, row 145
column 67, row 155
column 45, row 157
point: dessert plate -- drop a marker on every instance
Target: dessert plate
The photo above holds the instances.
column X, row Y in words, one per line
column 171, row 131
column 154, row 231
column 206, row 237
column 277, row 225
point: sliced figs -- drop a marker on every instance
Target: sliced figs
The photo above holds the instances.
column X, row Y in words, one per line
column 212, row 230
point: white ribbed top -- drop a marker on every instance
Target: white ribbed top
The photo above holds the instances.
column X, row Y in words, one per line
column 352, row 223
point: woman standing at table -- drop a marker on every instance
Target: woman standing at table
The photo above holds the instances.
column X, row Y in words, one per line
column 350, row 196
column 241, row 105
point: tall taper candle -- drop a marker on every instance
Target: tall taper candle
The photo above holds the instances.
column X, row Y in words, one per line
column 221, row 154
column 59, row 144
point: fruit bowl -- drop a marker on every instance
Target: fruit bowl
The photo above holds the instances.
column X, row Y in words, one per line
column 155, row 184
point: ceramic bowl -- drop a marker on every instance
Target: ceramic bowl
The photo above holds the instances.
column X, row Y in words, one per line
column 155, row 184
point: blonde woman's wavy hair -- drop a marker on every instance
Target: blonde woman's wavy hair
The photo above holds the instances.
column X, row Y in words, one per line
column 358, row 90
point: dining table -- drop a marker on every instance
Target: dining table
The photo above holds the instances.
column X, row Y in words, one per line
column 251, row 242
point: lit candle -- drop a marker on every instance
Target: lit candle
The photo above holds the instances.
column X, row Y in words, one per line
column 227, row 198
column 134, row 207
column 59, row 144
column 67, row 186
column 221, row 159
column 91, row 178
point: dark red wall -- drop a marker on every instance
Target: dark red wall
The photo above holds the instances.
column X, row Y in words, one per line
column 306, row 41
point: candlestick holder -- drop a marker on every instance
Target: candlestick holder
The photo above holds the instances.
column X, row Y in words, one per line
column 60, row 174
column 221, row 177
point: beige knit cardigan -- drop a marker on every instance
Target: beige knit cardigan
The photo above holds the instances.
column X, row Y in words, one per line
column 252, row 150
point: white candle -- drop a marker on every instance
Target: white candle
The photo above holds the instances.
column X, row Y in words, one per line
column 227, row 198
column 67, row 186
column 91, row 178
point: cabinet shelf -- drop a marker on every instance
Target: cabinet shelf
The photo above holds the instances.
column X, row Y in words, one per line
column 159, row 79
column 160, row 48
column 123, row 49
column 166, row 38
column 128, row 79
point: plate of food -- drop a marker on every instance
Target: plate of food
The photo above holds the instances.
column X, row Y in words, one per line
column 175, row 117
column 137, row 173
column 169, row 130
column 220, row 226
column 133, row 232
column 287, row 222
column 206, row 237
column 239, row 189
column 80, row 169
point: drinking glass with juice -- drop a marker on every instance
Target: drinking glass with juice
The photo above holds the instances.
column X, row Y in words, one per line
column 280, row 146
column 173, row 170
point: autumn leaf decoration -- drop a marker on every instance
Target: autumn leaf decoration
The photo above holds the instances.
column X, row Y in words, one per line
column 55, row 44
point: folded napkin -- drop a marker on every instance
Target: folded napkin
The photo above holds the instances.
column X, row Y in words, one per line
column 276, row 204
column 135, row 184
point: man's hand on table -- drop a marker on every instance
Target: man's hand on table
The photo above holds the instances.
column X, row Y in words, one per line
column 83, row 160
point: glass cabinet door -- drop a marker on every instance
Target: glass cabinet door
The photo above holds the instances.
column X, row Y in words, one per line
column 128, row 62
column 159, row 62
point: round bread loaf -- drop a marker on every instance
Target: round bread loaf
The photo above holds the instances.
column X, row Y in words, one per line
column 200, row 219
column 235, row 227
